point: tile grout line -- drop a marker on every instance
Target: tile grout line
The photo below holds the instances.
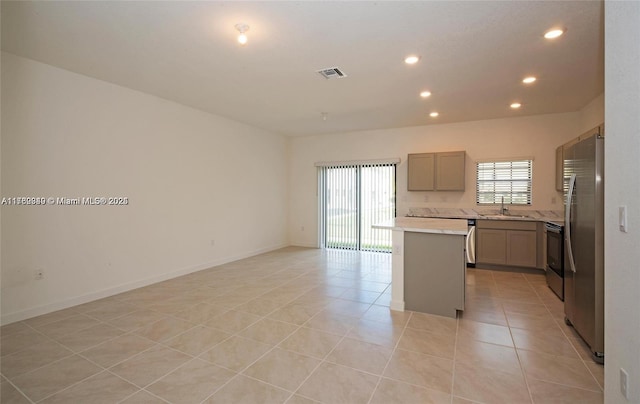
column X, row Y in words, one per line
column 19, row 391
column 455, row 351
column 567, row 337
column 522, row 369
column 323, row 360
column 145, row 391
column 393, row 351
column 239, row 373
column 103, row 369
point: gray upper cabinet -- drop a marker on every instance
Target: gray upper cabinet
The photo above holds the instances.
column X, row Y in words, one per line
column 436, row 171
column 559, row 168
column 421, row 176
column 450, row 171
column 560, row 181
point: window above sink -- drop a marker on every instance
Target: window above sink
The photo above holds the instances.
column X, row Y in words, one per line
column 506, row 181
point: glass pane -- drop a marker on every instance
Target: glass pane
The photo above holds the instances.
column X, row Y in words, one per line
column 504, row 180
column 341, row 208
column 355, row 198
column 377, row 196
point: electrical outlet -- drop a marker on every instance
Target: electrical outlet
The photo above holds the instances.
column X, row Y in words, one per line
column 38, row 274
column 624, row 383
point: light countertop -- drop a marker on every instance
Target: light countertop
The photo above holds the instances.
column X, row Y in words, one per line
column 425, row 225
column 556, row 217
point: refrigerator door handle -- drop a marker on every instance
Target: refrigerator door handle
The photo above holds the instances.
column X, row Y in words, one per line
column 567, row 221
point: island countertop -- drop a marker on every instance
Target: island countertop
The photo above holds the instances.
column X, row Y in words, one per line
column 425, row 225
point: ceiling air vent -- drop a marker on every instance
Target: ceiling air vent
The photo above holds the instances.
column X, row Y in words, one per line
column 332, row 73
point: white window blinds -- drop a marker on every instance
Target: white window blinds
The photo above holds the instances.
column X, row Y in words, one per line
column 510, row 180
column 353, row 197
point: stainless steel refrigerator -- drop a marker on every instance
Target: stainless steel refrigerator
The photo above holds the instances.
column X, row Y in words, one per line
column 584, row 239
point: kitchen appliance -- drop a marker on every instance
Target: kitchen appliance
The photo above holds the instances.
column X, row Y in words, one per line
column 471, row 243
column 555, row 258
column 584, row 240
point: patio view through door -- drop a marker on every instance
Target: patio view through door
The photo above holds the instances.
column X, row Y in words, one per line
column 352, row 198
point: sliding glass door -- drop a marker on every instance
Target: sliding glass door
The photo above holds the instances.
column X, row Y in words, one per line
column 352, row 198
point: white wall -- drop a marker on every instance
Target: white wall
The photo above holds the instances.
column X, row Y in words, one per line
column 191, row 177
column 622, row 148
column 534, row 136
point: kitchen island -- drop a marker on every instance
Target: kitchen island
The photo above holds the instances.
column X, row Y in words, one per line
column 428, row 264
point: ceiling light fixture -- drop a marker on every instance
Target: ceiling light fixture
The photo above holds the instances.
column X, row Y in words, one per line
column 434, row 114
column 242, row 28
column 425, row 94
column 529, row 80
column 515, row 105
column 411, row 59
column 553, row 33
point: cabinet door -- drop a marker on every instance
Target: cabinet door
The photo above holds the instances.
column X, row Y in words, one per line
column 521, row 248
column 450, row 171
column 421, row 169
column 559, row 168
column 491, row 246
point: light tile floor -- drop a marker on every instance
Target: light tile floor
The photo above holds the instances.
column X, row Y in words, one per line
column 301, row 326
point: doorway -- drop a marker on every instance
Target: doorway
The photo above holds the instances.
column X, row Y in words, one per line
column 353, row 197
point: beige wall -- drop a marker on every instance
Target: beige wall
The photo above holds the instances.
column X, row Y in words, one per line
column 592, row 114
column 535, row 136
column 622, row 188
column 191, row 177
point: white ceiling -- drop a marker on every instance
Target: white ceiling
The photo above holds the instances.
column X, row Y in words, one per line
column 474, row 56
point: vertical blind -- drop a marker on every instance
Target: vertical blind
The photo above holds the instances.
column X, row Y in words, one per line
column 353, row 197
column 508, row 180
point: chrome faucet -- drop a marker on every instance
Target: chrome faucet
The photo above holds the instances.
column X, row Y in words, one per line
column 503, row 210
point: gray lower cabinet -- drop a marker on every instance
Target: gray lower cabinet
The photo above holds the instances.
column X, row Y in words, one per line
column 491, row 246
column 506, row 242
column 434, row 273
column 521, row 248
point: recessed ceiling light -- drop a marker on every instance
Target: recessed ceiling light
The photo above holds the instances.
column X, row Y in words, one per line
column 529, row 80
column 553, row 33
column 434, row 114
column 411, row 59
column 425, row 94
column 516, row 105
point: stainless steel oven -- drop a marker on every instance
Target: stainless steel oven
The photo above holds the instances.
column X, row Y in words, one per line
column 555, row 258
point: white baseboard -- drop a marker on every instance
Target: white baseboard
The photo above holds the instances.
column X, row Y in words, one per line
column 100, row 294
column 307, row 245
column 397, row 305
